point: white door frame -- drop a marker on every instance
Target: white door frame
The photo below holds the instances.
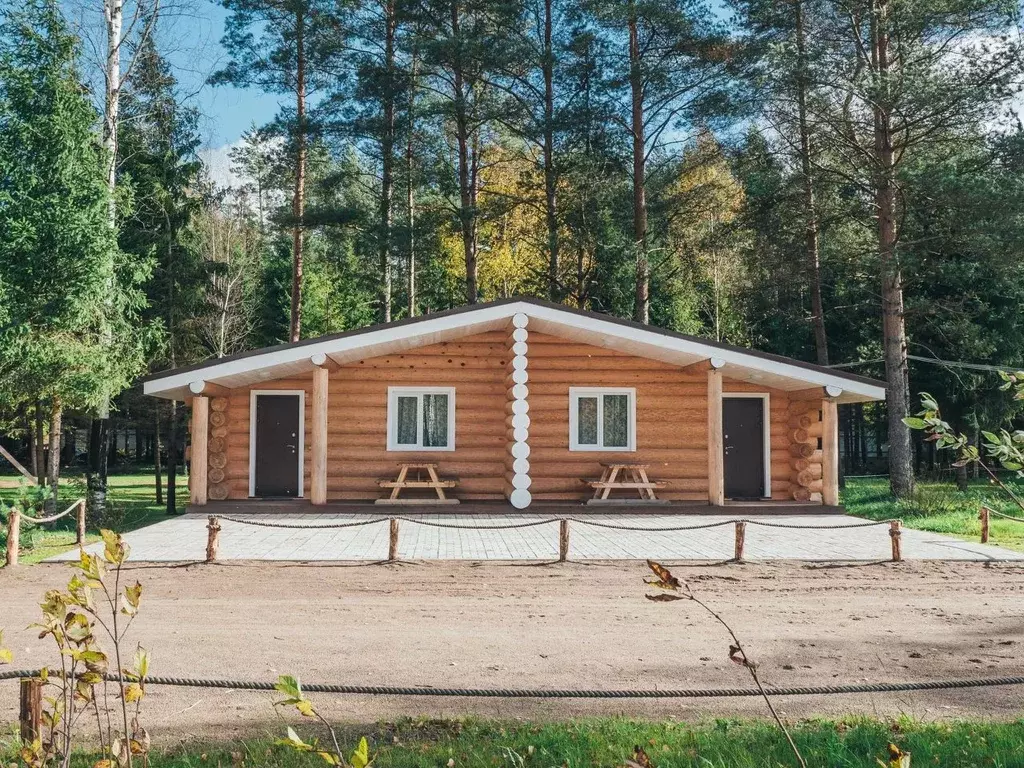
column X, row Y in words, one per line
column 253, row 394
column 766, row 429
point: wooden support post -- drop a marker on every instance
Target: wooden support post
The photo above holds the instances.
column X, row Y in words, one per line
column 716, row 455
column 13, row 536
column 393, row 542
column 200, row 454
column 80, row 524
column 984, row 517
column 212, row 539
column 741, row 532
column 829, row 453
column 318, row 443
column 897, row 546
column 31, row 710
column 563, row 541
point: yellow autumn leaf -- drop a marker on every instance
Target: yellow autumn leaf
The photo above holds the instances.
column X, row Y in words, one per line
column 133, row 692
column 361, row 757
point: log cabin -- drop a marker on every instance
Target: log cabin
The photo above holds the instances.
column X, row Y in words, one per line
column 523, row 401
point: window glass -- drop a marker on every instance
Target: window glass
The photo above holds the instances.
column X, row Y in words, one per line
column 616, row 421
column 586, row 428
column 435, row 421
column 405, row 420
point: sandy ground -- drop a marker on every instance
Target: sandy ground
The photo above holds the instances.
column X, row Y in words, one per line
column 529, row 625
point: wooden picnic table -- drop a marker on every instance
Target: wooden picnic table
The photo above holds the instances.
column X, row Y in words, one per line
column 433, row 482
column 624, row 477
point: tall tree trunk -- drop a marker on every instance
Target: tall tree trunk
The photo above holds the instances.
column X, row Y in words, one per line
column 387, row 149
column 38, row 445
column 894, row 350
column 467, row 208
column 172, row 460
column 642, row 302
column 550, row 177
column 811, row 237
column 99, row 446
column 410, row 187
column 157, row 473
column 299, row 196
column 53, row 465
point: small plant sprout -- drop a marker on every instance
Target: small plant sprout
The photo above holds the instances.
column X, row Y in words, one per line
column 1005, row 448
column 897, row 758
column 6, row 657
column 94, row 604
column 674, row 590
column 292, row 689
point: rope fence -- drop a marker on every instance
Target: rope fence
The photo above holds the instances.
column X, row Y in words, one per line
column 986, row 516
column 16, row 517
column 740, row 526
column 562, row 693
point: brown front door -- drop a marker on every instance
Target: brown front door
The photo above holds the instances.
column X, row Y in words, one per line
column 743, row 443
column 278, row 440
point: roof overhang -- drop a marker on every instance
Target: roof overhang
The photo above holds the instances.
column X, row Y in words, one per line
column 297, row 359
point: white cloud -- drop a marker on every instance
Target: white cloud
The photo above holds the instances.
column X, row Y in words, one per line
column 218, row 165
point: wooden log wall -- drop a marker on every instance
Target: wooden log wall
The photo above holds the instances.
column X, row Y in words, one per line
column 357, row 419
column 219, row 487
column 671, row 421
column 805, row 457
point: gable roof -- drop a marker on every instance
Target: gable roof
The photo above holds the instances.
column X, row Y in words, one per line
column 260, row 365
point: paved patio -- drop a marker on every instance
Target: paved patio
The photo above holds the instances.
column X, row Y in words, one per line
column 184, row 539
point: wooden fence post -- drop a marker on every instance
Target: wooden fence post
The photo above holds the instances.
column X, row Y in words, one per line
column 80, row 526
column 13, row 536
column 895, row 534
column 563, row 540
column 212, row 539
column 741, row 532
column 31, row 710
column 984, row 517
column 393, row 541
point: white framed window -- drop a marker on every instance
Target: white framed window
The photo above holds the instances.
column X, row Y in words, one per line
column 421, row 418
column 602, row 419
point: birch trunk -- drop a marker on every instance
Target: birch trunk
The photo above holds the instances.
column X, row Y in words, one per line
column 387, row 146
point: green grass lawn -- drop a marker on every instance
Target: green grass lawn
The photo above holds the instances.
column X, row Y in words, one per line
column 939, row 507
column 132, row 502
column 857, row 743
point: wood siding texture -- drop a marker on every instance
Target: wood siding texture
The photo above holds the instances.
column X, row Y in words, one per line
column 357, row 419
column 671, row 430
column 671, row 420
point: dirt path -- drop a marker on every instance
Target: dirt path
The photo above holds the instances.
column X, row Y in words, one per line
column 495, row 625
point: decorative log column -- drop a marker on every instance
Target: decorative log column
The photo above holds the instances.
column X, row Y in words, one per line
column 517, row 473
column 829, row 452
column 716, row 457
column 200, row 453
column 318, row 443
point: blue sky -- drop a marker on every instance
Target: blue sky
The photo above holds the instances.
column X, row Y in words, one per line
column 192, row 44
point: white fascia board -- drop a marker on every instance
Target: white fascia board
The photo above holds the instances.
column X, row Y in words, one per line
column 286, row 355
column 685, row 346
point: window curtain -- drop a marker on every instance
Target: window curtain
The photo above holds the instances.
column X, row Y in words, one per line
column 616, row 421
column 435, row 421
column 405, row 423
column 586, row 423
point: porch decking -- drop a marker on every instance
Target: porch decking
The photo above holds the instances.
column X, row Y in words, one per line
column 502, row 508
column 183, row 538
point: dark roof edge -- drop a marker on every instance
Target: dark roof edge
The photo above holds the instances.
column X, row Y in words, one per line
column 213, row 361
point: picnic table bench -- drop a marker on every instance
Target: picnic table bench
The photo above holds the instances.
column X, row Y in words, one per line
column 433, row 482
column 633, row 477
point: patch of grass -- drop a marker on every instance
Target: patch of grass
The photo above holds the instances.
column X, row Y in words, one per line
column 130, row 498
column 853, row 743
column 940, row 507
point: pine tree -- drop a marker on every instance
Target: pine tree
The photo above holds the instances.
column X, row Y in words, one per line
column 72, row 334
